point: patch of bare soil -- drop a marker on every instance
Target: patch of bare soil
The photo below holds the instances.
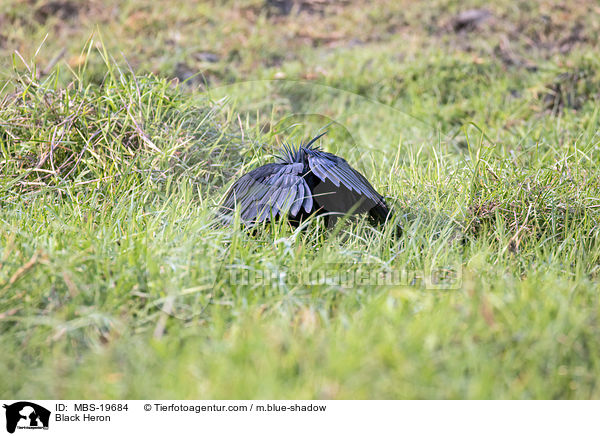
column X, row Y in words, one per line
column 519, row 36
column 287, row 7
column 63, row 10
column 470, row 20
column 571, row 89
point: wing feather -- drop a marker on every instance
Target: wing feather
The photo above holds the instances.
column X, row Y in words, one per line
column 342, row 188
column 270, row 190
column 337, row 170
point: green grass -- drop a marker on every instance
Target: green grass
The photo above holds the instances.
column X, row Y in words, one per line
column 116, row 283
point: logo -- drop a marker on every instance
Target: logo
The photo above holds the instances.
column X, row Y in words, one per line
column 26, row 415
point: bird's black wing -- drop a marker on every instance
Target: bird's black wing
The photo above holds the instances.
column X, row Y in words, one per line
column 352, row 189
column 271, row 190
column 329, row 166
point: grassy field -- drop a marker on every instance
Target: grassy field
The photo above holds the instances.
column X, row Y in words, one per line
column 123, row 123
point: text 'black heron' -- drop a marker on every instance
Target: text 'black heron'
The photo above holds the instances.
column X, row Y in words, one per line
column 305, row 181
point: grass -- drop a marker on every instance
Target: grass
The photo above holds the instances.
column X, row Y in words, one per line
column 115, row 282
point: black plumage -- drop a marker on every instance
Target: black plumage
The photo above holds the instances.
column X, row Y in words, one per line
column 305, row 181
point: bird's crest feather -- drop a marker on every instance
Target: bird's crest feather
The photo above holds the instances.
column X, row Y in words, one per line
column 312, row 141
column 290, row 152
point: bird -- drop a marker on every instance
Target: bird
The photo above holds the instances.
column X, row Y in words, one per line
column 305, row 181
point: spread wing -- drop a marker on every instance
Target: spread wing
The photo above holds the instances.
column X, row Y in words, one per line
column 343, row 188
column 271, row 190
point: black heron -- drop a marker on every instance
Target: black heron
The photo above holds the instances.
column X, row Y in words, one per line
column 305, row 181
